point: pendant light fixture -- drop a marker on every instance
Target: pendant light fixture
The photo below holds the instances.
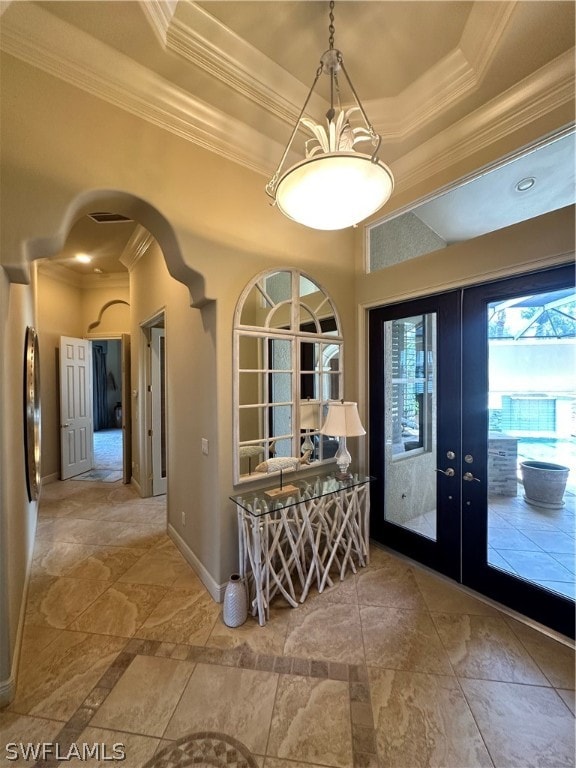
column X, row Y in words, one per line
column 335, row 186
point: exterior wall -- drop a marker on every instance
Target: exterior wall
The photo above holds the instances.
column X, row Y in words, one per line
column 532, row 365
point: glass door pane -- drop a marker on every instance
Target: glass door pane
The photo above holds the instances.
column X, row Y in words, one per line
column 531, row 443
column 410, row 424
column 468, row 391
column 518, row 396
column 415, row 429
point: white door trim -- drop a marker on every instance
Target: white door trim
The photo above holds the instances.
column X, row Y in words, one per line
column 158, row 410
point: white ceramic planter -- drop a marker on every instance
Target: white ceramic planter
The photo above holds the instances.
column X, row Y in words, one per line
column 544, row 483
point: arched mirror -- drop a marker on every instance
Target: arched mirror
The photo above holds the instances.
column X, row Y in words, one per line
column 287, row 366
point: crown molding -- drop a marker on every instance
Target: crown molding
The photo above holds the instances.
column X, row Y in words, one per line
column 195, row 35
column 38, row 38
column 136, row 247
column 79, row 59
column 482, row 33
column 61, row 273
column 105, row 280
column 203, row 40
column 550, row 88
column 453, row 78
column 159, row 14
column 423, row 100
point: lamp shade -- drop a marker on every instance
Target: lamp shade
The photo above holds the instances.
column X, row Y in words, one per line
column 334, row 190
column 310, row 414
column 342, row 420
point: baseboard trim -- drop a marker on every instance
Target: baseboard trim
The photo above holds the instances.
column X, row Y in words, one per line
column 8, row 686
column 50, row 478
column 216, row 590
column 7, row 690
column 136, row 485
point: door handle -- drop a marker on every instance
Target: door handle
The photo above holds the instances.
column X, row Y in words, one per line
column 63, row 426
column 469, row 477
column 448, row 472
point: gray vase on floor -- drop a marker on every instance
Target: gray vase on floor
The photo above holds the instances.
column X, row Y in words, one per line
column 235, row 609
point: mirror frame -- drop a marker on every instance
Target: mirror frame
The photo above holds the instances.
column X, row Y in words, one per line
column 32, row 414
column 314, row 314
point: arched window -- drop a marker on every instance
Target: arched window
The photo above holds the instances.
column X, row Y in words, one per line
column 287, row 366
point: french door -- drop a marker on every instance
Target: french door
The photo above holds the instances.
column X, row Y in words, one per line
column 465, row 387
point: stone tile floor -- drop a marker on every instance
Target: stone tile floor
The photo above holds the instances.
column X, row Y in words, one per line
column 534, row 543
column 530, row 542
column 392, row 667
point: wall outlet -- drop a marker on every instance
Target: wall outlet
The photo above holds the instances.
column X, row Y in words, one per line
column 205, row 446
column 183, row 519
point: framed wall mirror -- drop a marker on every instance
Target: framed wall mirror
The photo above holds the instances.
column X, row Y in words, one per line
column 287, row 366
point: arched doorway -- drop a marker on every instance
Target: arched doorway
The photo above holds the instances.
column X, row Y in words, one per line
column 114, row 258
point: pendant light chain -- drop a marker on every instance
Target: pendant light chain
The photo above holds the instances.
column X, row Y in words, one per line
column 332, row 70
column 331, row 29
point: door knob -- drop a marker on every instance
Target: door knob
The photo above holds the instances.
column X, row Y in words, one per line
column 448, row 472
column 469, row 477
column 63, row 426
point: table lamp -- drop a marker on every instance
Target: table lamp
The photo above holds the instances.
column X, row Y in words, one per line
column 342, row 421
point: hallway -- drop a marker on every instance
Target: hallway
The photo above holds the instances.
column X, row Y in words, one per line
column 392, row 667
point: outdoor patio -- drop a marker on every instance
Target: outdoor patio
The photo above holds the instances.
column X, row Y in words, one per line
column 533, row 543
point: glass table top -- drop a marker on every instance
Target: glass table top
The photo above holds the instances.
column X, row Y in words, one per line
column 291, row 492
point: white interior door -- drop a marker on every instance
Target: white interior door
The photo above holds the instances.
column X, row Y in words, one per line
column 158, row 406
column 76, row 428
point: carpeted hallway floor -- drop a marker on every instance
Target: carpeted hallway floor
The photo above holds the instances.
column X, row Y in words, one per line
column 108, row 449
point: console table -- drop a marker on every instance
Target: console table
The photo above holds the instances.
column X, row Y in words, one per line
column 318, row 528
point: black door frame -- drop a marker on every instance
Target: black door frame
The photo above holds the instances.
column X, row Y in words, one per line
column 443, row 554
column 547, row 607
column 460, row 551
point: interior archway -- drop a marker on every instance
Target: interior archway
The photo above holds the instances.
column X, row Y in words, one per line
column 135, row 209
column 145, row 228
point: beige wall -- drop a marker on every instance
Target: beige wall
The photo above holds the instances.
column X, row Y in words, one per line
column 191, row 406
column 65, row 309
column 18, row 515
column 527, row 246
column 59, row 314
column 106, row 309
column 216, row 230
